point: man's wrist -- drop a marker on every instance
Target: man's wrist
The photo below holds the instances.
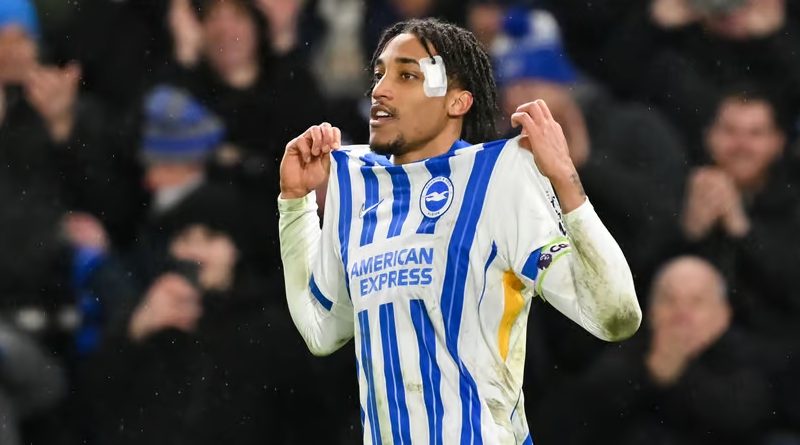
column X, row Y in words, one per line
column 305, row 203
column 569, row 189
column 294, row 193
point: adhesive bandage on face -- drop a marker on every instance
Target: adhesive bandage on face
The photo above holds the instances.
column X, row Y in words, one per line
column 435, row 84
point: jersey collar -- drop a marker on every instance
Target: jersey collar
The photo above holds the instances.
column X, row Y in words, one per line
column 461, row 143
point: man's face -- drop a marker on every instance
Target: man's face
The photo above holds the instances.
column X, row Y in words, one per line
column 215, row 253
column 231, row 36
column 744, row 140
column 402, row 118
column 688, row 298
column 18, row 54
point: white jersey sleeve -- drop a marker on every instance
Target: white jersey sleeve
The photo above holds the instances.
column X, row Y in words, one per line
column 316, row 292
column 571, row 261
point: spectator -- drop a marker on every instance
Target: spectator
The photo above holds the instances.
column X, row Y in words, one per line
column 202, row 359
column 696, row 379
column 683, row 55
column 51, row 161
column 179, row 135
column 742, row 211
column 227, row 61
column 629, row 158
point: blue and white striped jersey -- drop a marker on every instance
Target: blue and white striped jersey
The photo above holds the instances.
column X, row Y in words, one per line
column 437, row 262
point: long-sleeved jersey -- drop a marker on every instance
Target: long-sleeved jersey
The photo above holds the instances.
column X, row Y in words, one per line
column 432, row 266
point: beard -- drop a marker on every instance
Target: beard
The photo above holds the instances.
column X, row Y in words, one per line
column 395, row 147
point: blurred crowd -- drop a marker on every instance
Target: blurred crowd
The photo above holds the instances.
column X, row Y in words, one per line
column 141, row 295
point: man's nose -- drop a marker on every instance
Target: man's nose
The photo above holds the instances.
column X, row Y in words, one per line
column 382, row 89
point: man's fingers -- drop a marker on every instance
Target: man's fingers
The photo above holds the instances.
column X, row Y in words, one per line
column 302, row 145
column 316, row 137
column 545, row 109
column 337, row 138
column 534, row 110
column 327, row 137
column 525, row 120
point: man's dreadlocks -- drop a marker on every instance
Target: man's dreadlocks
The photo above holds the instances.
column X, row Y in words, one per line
column 467, row 65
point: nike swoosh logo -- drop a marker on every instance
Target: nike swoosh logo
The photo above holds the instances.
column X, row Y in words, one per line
column 364, row 211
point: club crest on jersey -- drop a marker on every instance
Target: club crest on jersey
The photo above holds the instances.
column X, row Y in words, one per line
column 437, row 195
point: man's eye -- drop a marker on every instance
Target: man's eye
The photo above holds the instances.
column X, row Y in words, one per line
column 408, row 76
column 377, row 76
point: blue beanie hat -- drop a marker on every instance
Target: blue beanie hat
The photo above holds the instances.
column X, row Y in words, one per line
column 177, row 128
column 21, row 13
column 534, row 50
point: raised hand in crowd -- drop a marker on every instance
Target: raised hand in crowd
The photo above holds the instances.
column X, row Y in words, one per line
column 712, row 200
column 84, row 230
column 187, row 32
column 172, row 302
column 53, row 92
column 736, row 20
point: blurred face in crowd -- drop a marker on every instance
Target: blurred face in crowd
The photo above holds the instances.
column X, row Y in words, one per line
column 214, row 252
column 18, row 54
column 231, row 36
column 561, row 103
column 485, row 21
column 689, row 296
column 742, row 20
column 745, row 141
column 403, row 119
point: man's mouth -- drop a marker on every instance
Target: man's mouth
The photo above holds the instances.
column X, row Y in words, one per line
column 380, row 114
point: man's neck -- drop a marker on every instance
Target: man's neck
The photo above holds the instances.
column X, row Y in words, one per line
column 435, row 147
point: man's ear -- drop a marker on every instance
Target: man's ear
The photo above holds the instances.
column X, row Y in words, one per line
column 459, row 102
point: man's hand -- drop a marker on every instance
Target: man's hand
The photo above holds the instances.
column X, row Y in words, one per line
column 53, row 93
column 306, row 161
column 671, row 349
column 702, row 207
column 711, row 199
column 543, row 136
column 84, row 230
column 171, row 302
column 734, row 221
column 187, row 32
